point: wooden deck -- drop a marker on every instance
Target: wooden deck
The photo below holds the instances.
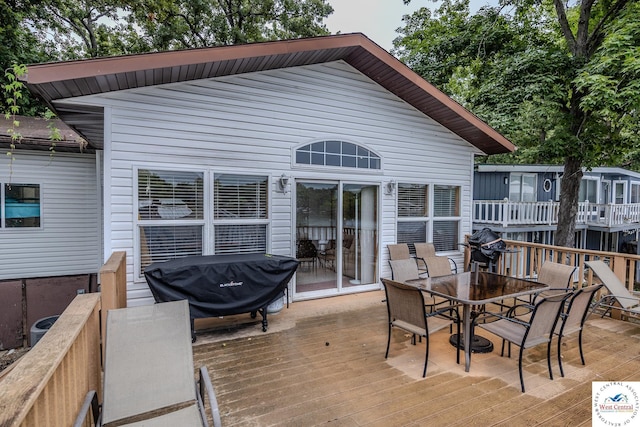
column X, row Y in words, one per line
column 322, row 362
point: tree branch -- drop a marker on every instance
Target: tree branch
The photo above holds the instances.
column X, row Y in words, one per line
column 596, row 37
column 564, row 25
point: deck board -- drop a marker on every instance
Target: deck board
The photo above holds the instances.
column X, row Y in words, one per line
column 323, row 362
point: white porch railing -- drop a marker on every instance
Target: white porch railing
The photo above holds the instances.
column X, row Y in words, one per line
column 506, row 213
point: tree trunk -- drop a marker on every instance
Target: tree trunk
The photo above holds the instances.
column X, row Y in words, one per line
column 568, row 209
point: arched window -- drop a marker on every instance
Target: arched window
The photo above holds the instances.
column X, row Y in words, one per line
column 337, row 153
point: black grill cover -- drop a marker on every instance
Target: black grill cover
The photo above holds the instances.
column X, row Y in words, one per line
column 486, row 245
column 221, row 285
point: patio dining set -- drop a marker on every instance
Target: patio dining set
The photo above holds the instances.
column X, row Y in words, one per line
column 427, row 294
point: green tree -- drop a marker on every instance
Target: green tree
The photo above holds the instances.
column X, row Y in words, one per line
column 166, row 25
column 556, row 78
column 18, row 46
column 76, row 29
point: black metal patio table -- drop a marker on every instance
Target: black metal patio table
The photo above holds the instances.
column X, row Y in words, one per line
column 222, row 285
column 475, row 289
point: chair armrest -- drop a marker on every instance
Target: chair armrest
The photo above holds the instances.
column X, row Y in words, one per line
column 206, row 386
column 455, row 265
column 90, row 402
column 508, row 315
column 452, row 308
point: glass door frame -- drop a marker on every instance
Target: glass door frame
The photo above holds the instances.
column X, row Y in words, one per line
column 339, row 289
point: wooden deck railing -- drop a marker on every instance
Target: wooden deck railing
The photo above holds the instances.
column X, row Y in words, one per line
column 47, row 386
column 524, row 259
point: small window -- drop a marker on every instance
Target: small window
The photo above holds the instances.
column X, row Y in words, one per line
column 21, row 205
column 588, row 190
column 337, row 154
column 635, row 193
column 522, row 187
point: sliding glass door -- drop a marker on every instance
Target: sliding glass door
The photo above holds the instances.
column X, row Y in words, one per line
column 336, row 237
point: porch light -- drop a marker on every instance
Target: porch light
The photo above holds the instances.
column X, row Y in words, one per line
column 283, row 183
column 390, row 188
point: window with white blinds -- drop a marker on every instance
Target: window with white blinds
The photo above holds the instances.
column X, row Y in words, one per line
column 170, row 215
column 240, row 213
column 415, row 223
column 446, row 200
column 413, row 200
column 172, row 221
column 446, row 235
column 241, row 238
column 239, row 196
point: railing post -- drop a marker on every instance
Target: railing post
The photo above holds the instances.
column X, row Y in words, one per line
column 505, row 212
column 113, row 286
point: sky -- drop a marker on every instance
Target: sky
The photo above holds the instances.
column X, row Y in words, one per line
column 378, row 19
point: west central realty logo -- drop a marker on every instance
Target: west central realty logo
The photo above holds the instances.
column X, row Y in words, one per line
column 615, row 403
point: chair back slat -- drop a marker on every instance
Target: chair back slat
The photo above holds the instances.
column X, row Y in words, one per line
column 424, row 250
column 543, row 319
column 556, row 275
column 438, row 266
column 404, row 269
column 578, row 308
column 399, row 251
column 405, row 304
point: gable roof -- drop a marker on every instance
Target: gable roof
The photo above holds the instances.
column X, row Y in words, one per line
column 56, row 82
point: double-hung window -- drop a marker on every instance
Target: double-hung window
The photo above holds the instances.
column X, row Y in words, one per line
column 446, row 217
column 174, row 219
column 413, row 213
column 20, row 206
column 240, row 213
column 419, row 223
column 170, row 215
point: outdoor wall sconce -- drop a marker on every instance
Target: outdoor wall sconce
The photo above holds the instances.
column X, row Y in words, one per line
column 390, row 188
column 283, row 183
column 506, row 180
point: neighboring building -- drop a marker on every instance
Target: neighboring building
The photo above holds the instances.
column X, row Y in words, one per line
column 327, row 149
column 50, row 225
column 521, row 202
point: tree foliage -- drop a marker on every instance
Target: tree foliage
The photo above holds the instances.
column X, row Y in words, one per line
column 18, row 46
column 558, row 78
column 181, row 24
column 76, row 29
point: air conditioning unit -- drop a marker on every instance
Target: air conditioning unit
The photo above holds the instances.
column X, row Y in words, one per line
column 40, row 327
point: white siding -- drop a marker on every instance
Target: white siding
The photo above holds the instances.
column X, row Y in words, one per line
column 253, row 122
column 68, row 241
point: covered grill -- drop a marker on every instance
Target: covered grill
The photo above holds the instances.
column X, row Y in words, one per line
column 222, row 285
column 486, row 247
